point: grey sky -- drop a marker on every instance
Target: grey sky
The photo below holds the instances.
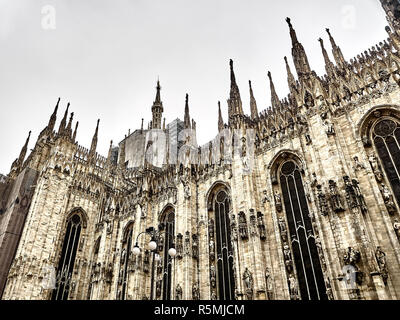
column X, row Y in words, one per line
column 104, row 58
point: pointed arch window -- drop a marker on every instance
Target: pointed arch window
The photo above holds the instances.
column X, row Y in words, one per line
column 305, row 254
column 125, row 255
column 386, row 138
column 221, row 260
column 169, row 223
column 67, row 259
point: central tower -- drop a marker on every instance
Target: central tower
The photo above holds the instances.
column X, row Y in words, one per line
column 157, row 109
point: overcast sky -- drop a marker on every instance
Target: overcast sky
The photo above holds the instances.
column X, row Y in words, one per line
column 104, row 58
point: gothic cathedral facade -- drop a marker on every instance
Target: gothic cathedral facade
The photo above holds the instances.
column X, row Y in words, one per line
column 307, row 208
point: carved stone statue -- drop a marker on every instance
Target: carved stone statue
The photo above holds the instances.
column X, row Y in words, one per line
column 161, row 244
column 322, row 203
column 381, row 259
column 144, row 211
column 213, row 295
column 318, row 244
column 293, row 287
column 213, row 276
column 278, row 201
column 269, row 280
column 282, row 225
column 243, row 226
column 211, row 228
column 186, row 190
column 335, row 197
column 307, row 136
column 261, row 226
column 265, row 197
column 314, row 181
column 330, row 129
column 195, row 247
column 146, row 261
column 248, row 282
column 361, row 204
column 187, row 243
column 351, row 256
column 234, row 232
column 179, row 246
column 178, row 292
column 375, row 166
column 388, row 199
column 357, row 164
column 159, row 266
column 158, row 288
column 329, row 291
column 253, row 223
column 287, row 253
column 396, row 227
column 212, row 249
column 195, row 292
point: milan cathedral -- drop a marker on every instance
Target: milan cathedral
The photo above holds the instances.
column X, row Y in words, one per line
column 300, row 201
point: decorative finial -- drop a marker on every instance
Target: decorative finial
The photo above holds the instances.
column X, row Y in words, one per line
column 327, row 30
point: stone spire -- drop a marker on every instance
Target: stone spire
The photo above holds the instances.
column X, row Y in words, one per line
column 253, row 104
column 75, row 131
column 121, row 159
column 22, row 154
column 220, row 120
column 93, row 146
column 63, row 122
column 109, row 153
column 299, row 55
column 275, row 102
column 392, row 9
column 68, row 129
column 157, row 109
column 329, row 67
column 53, row 118
column 186, row 122
column 234, row 102
column 291, row 79
column 337, row 52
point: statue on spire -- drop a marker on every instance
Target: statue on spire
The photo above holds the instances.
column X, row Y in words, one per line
column 186, row 121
